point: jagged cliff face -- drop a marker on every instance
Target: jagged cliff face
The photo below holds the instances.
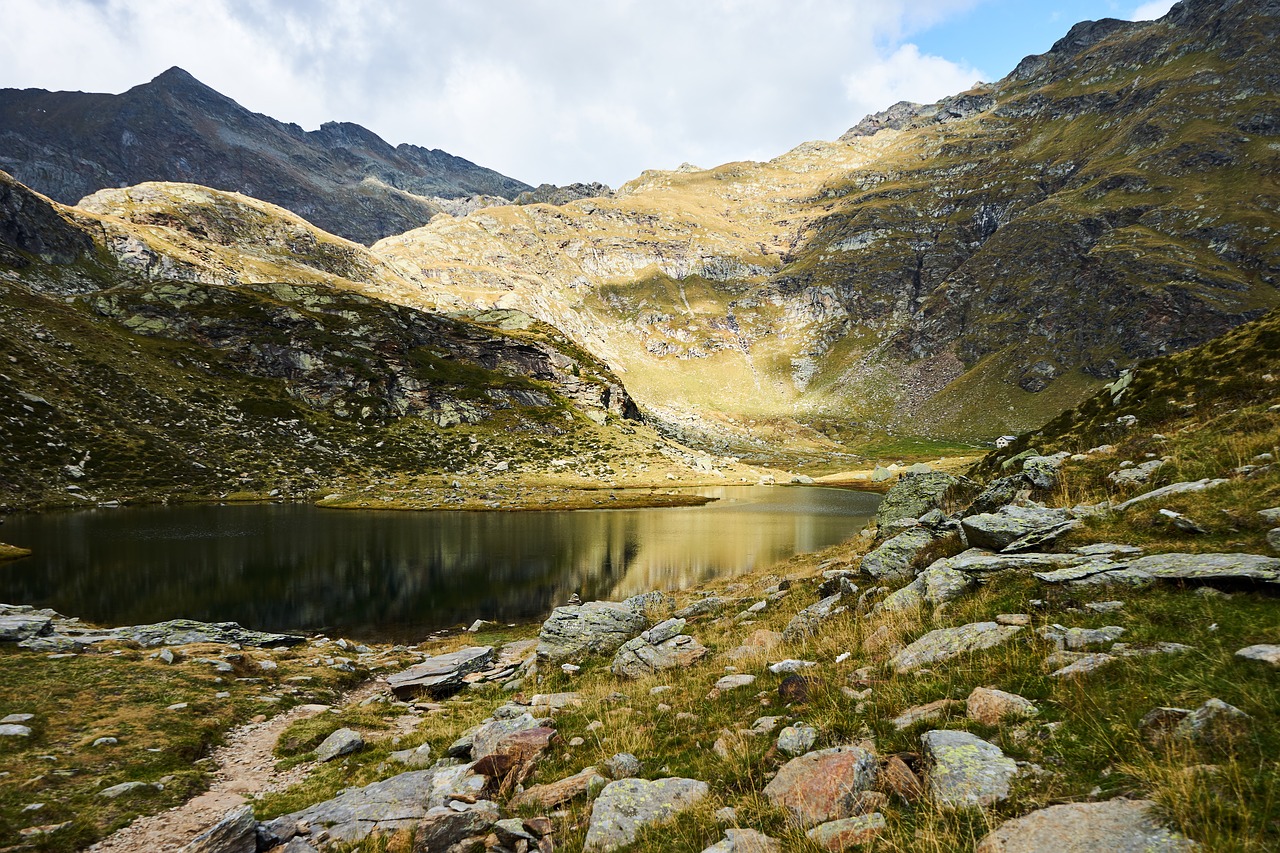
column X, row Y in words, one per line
column 139, row 360
column 342, row 177
column 965, row 268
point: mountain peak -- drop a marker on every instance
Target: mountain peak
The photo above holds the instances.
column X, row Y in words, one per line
column 175, row 77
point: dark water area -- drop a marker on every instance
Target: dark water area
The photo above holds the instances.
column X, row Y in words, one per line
column 397, row 576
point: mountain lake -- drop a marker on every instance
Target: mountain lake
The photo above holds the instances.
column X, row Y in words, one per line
column 398, row 576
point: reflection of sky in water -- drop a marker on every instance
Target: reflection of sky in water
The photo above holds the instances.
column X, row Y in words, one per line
column 400, row 574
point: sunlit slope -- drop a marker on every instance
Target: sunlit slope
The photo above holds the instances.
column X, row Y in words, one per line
column 973, row 268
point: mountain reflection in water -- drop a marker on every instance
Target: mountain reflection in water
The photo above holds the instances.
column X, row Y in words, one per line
column 399, row 575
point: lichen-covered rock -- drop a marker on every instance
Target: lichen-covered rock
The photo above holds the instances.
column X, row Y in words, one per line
column 935, row 585
column 965, row 770
column 339, row 743
column 1042, row 471
column 1117, row 826
column 661, row 647
column 990, row 706
column 627, row 805
column 946, row 643
column 824, row 785
column 595, row 628
column 847, row 832
column 1017, row 528
column 915, row 494
column 895, row 558
column 797, row 739
column 745, row 841
column 807, row 622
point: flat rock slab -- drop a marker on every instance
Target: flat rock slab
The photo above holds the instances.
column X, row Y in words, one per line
column 824, row 785
column 1264, row 653
column 1171, row 489
column 990, row 706
column 745, row 841
column 626, row 806
column 929, row 711
column 807, row 622
column 842, row 834
column 401, row 802
column 965, row 770
column 235, row 833
column 1182, row 567
column 440, row 676
column 937, row 584
column 18, row 627
column 552, row 794
column 732, row 682
column 1016, row 528
column 946, row 643
column 180, row 632
column 595, row 628
column 1116, row 826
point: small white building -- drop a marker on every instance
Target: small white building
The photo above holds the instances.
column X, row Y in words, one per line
column 1005, row 440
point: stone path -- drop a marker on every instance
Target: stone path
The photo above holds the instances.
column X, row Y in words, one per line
column 246, row 770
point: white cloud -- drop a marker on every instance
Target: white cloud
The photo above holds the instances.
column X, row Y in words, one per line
column 543, row 90
column 1151, row 11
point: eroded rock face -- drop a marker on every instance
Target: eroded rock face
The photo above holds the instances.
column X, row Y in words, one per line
column 824, row 785
column 965, row 770
column 594, row 628
column 1122, row 826
column 626, row 806
column 915, row 494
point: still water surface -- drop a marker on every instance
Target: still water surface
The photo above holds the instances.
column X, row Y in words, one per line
column 400, row 575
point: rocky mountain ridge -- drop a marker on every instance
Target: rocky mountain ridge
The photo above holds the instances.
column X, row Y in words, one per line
column 342, row 176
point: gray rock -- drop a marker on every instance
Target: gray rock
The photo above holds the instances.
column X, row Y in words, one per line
column 1271, row 515
column 1077, row 639
column 1017, row 528
column 1137, row 474
column 1116, row 826
column 416, row 758
column 442, row 827
column 1083, row 665
column 625, row 806
column 401, row 802
column 915, row 494
column 980, row 563
column 181, row 632
column 1268, row 654
column 1214, row 724
column 1042, row 471
column 14, row 730
column 946, row 643
column 999, row 492
column 342, row 742
column 442, row 675
column 895, row 558
column 745, row 841
column 702, row 607
column 965, row 770
column 1171, row 489
column 660, row 648
column 926, row 712
column 16, row 718
column 624, row 765
column 790, row 665
column 1183, row 567
column 485, row 739
column 235, row 833
column 848, row 832
column 1273, row 538
column 797, row 739
column 15, row 628
column 935, row 585
column 128, row 788
column 734, row 681
column 807, row 622
column 593, row 628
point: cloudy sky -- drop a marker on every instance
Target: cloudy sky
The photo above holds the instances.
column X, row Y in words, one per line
column 552, row 90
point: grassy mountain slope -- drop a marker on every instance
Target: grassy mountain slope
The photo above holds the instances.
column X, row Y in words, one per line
column 973, row 267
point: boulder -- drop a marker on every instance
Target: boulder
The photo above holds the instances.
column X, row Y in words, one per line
column 1118, row 826
column 486, row 739
column 1042, row 471
column 400, row 802
column 595, row 628
column 848, row 832
column 623, row 765
column 442, row 675
column 235, row 833
column 1214, row 724
column 1204, row 568
column 745, row 841
column 626, row 806
column 936, row 585
column 1017, row 528
column 1263, row 653
column 824, row 785
column 965, row 770
column 661, row 647
column 991, row 707
column 416, row 758
column 999, row 492
column 797, row 739
column 553, row 794
column 946, row 643
column 342, row 742
column 895, row 558
column 702, row 607
column 915, row 494
column 444, row 826
column 14, row 628
column 807, row 622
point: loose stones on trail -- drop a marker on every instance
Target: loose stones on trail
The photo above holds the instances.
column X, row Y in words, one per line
column 946, row 643
column 1122, row 826
column 822, row 786
column 596, row 627
column 440, row 676
column 627, row 805
column 965, row 770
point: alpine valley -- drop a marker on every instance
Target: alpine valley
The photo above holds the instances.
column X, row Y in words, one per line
column 201, row 303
